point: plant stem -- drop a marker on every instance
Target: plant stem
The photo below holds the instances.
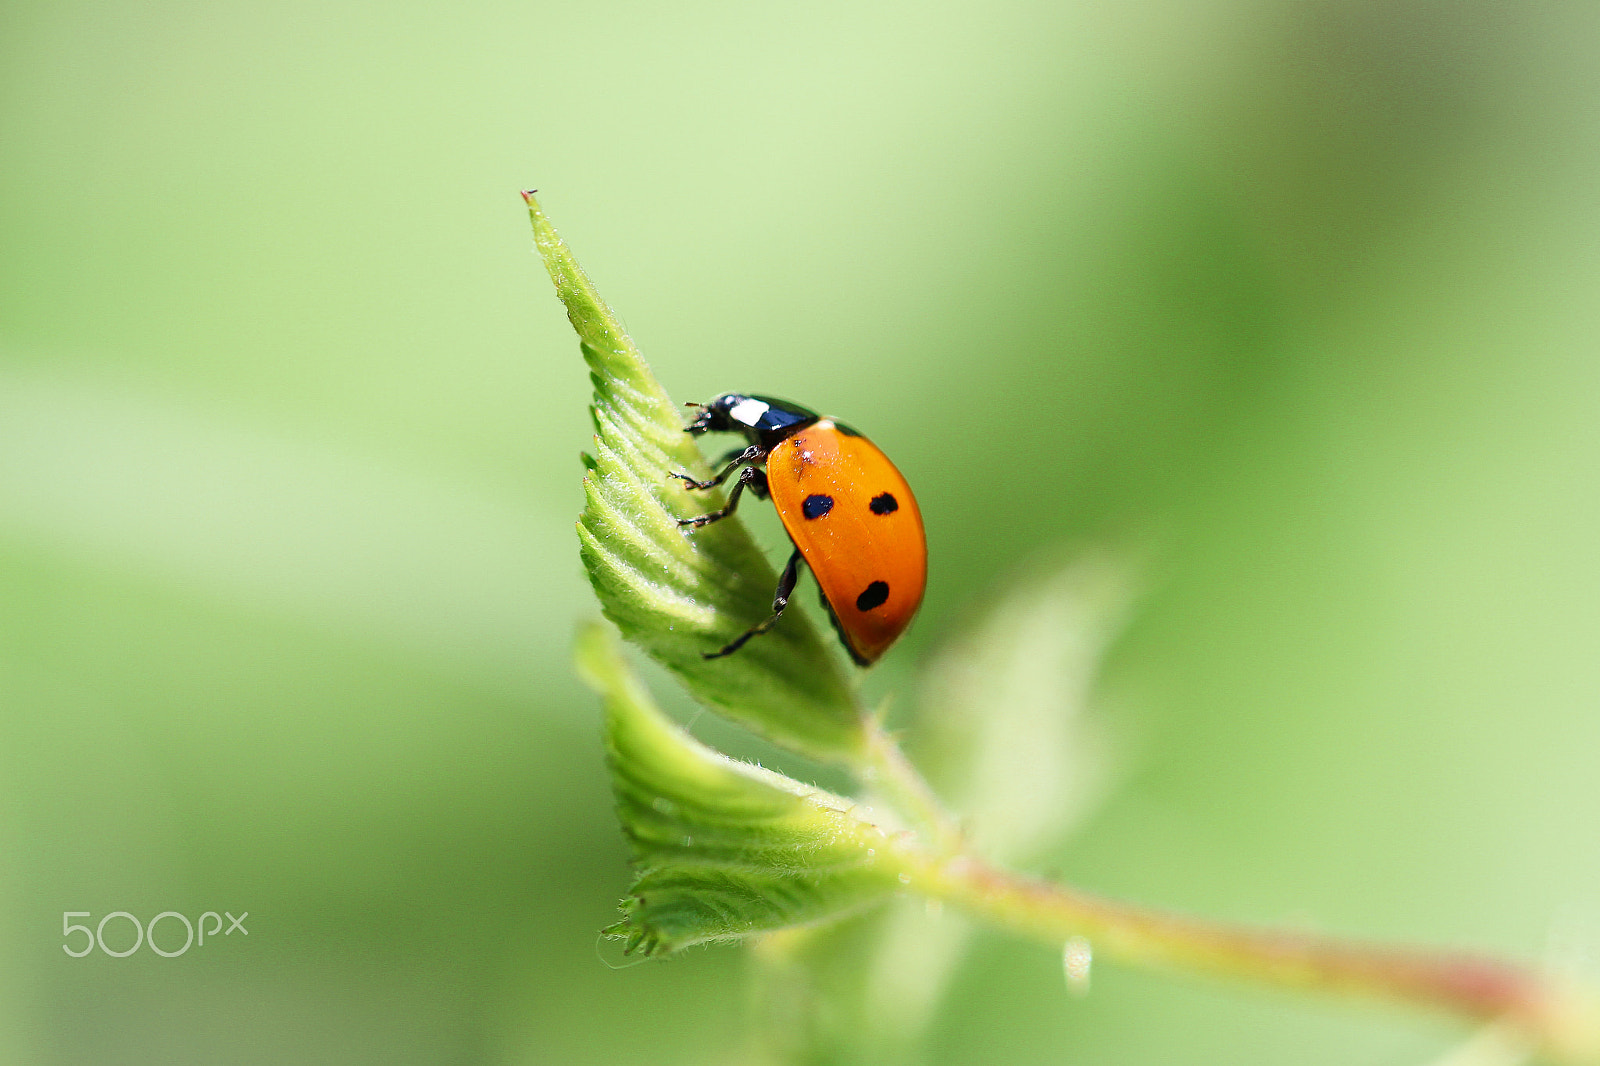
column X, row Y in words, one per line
column 1562, row 1018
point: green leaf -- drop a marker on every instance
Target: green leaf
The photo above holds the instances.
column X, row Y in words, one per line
column 1006, row 727
column 680, row 594
column 723, row 849
column 1006, row 716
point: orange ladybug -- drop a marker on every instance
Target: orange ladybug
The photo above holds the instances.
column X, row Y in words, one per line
column 850, row 513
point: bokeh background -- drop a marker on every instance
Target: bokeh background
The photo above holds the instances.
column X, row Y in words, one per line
column 1296, row 303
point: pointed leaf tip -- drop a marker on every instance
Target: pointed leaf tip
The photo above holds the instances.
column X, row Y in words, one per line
column 675, row 595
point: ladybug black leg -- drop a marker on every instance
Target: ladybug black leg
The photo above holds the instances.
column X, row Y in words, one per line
column 780, row 600
column 758, row 482
column 750, row 477
column 755, row 451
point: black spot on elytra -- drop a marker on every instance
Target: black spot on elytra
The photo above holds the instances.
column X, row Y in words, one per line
column 872, row 596
column 816, row 505
column 884, row 503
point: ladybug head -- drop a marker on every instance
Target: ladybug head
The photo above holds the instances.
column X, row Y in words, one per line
column 761, row 420
column 717, row 417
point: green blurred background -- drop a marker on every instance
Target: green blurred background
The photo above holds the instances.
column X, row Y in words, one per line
column 1297, row 301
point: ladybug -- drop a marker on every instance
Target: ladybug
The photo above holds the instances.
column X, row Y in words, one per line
column 849, row 512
